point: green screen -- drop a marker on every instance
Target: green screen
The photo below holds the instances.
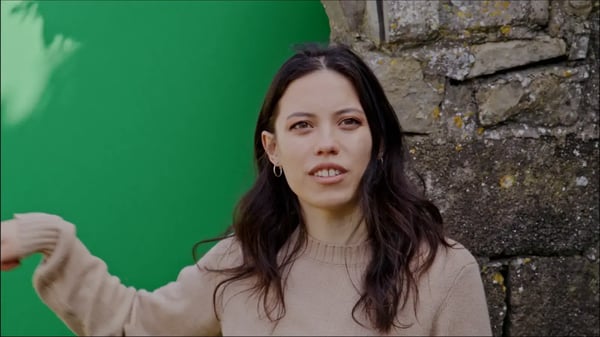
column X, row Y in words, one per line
column 140, row 132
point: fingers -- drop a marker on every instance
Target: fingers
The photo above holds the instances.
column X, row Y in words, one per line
column 36, row 216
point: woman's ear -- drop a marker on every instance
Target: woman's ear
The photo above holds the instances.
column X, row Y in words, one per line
column 269, row 143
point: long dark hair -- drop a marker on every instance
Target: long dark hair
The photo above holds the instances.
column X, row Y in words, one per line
column 399, row 220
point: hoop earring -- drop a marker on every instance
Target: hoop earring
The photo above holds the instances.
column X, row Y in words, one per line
column 277, row 170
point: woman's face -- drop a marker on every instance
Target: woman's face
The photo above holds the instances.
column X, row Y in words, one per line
column 322, row 140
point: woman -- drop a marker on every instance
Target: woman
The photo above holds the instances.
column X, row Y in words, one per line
column 331, row 239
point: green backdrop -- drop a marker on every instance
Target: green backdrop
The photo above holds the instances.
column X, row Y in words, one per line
column 143, row 137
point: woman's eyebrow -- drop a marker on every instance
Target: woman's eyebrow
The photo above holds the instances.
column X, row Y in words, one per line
column 337, row 113
column 348, row 110
column 300, row 114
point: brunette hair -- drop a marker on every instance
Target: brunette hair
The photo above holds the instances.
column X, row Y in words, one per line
column 399, row 220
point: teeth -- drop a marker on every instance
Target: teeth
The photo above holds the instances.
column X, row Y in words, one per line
column 327, row 173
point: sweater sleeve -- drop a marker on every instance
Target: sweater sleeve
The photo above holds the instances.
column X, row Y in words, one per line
column 79, row 289
column 464, row 311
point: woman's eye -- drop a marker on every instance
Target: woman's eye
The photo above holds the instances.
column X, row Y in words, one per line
column 299, row 125
column 350, row 122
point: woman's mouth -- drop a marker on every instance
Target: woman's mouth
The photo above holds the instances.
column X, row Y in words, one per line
column 328, row 173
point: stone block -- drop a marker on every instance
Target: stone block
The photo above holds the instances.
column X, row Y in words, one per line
column 401, row 21
column 579, row 47
column 494, row 56
column 459, row 110
column 580, row 8
column 569, row 20
column 550, row 103
column 411, row 20
column 499, row 102
column 453, row 60
column 354, row 11
column 338, row 25
column 416, row 20
column 415, row 98
column 372, row 23
column 553, row 296
column 459, row 15
column 514, row 196
column 460, row 62
column 591, row 90
column 345, row 19
column 545, row 97
column 540, row 12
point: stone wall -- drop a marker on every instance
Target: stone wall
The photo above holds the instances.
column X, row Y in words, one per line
column 500, row 102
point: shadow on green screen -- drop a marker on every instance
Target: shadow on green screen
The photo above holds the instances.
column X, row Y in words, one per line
column 134, row 120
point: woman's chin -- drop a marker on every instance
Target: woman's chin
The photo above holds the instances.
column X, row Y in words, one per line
column 333, row 203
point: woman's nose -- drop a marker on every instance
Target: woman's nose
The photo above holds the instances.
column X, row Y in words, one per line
column 327, row 143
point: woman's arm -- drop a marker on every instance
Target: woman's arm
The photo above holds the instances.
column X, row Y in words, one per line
column 79, row 289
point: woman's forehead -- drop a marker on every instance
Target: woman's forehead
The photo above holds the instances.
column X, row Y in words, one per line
column 319, row 91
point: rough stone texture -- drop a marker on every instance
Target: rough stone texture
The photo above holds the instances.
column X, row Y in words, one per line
column 414, row 97
column 579, row 47
column 338, row 21
column 460, row 62
column 569, row 21
column 459, row 111
column 544, row 97
column 411, row 20
column 581, row 8
column 515, row 196
column 501, row 99
column 540, row 286
column 450, row 60
column 459, row 15
column 499, row 102
column 354, row 12
column 495, row 56
column 493, row 275
column 539, row 12
column 551, row 103
column 591, row 87
column 371, row 24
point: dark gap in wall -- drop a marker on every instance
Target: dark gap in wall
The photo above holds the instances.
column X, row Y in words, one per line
column 410, row 133
column 455, row 83
column 506, row 323
column 380, row 19
column 556, row 61
column 506, row 257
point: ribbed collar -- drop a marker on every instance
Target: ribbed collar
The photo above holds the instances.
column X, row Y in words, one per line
column 353, row 254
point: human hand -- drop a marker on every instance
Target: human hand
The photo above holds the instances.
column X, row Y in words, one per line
column 27, row 62
column 9, row 245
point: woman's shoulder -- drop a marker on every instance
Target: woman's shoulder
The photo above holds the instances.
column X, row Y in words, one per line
column 226, row 253
column 451, row 260
column 457, row 253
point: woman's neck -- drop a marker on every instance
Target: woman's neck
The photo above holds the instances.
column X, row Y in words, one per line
column 343, row 226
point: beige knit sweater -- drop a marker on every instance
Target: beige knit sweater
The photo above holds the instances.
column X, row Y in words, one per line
column 319, row 295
